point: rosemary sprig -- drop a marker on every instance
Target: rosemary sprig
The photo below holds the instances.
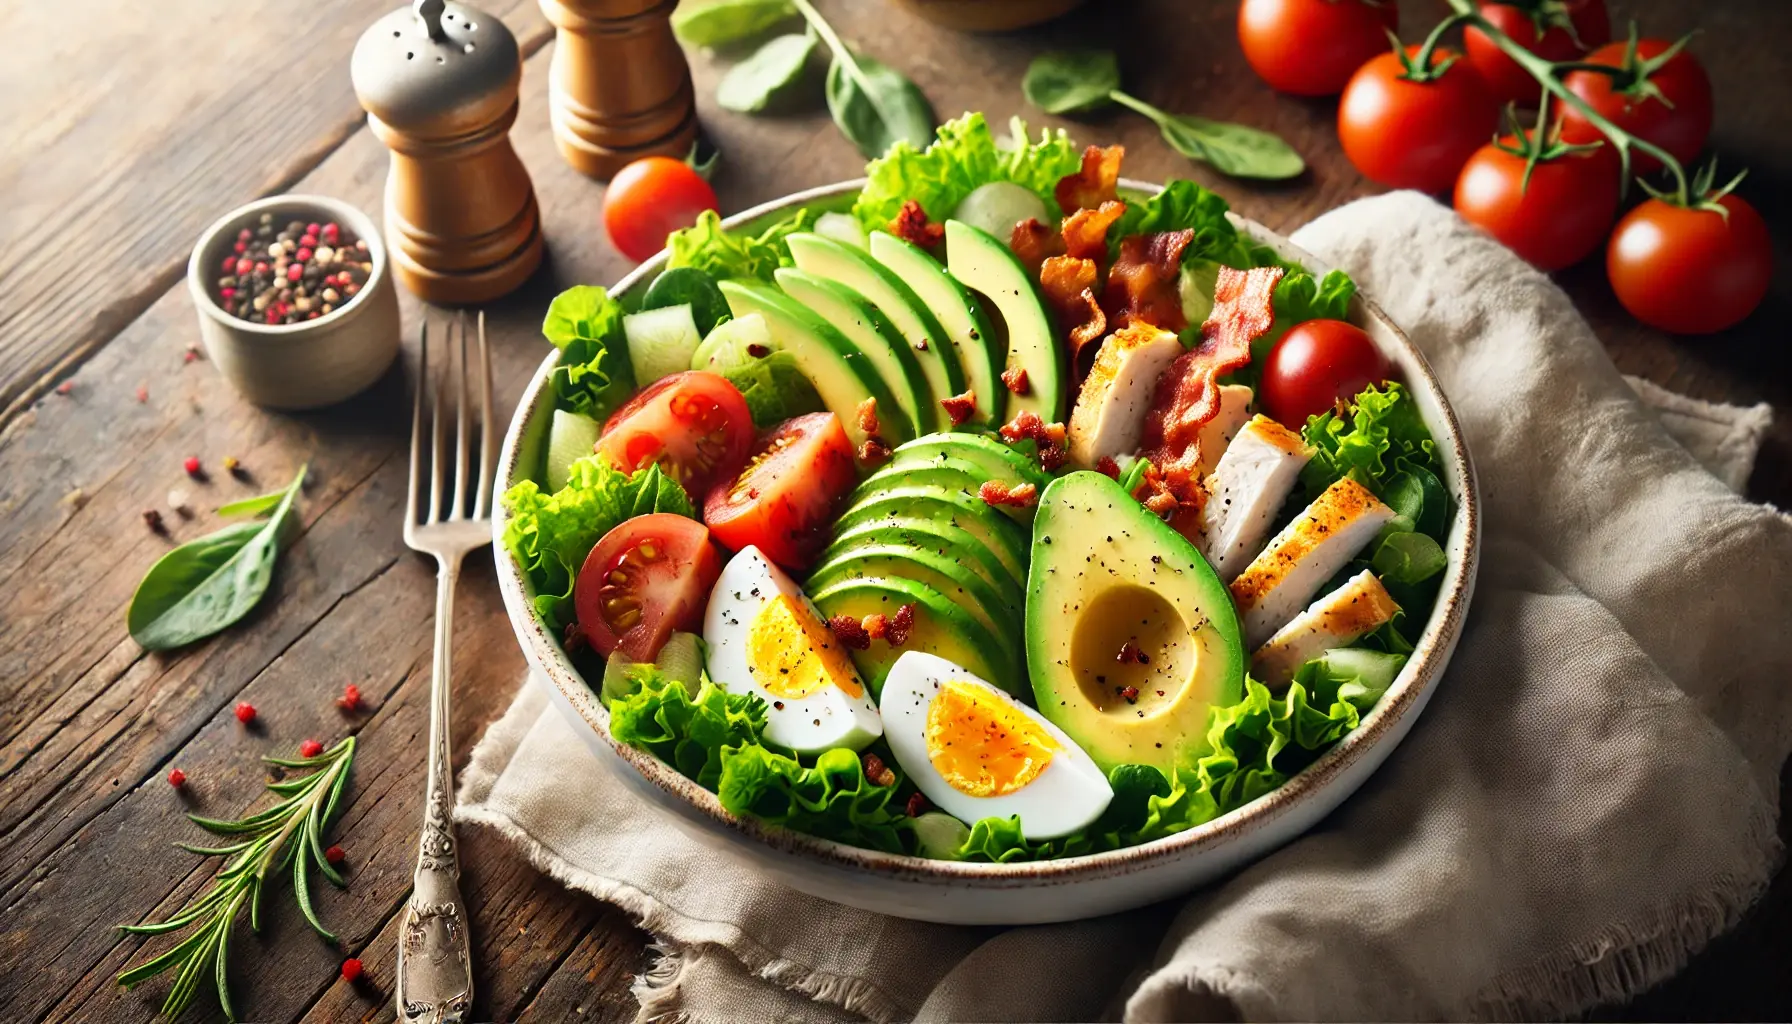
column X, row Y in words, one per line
column 263, row 845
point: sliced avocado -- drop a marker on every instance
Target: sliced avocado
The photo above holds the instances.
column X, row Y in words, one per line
column 941, row 628
column 997, row 612
column 1131, row 636
column 999, row 535
column 942, row 536
column 997, row 459
column 973, row 338
column 871, row 332
column 855, row 268
column 842, row 375
column 946, row 472
column 984, row 264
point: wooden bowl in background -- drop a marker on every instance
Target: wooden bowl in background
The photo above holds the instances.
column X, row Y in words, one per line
column 989, row 15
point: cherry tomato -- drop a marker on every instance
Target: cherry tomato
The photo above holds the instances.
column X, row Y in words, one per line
column 1311, row 47
column 783, row 499
column 651, row 198
column 1502, row 75
column 1558, row 219
column 647, row 577
column 694, row 424
column 1406, row 134
column 1316, row 364
column 1690, row 271
column 1679, row 125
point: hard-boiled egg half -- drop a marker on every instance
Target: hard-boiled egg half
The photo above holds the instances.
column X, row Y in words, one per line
column 766, row 638
column 976, row 752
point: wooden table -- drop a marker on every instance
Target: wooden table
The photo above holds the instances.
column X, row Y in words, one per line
column 132, row 126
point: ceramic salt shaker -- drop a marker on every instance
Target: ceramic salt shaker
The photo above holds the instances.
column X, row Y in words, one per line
column 619, row 88
column 439, row 82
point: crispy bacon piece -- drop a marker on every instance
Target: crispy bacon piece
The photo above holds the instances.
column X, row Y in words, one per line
column 1086, row 231
column 901, row 625
column 876, row 771
column 911, row 225
column 850, row 634
column 1188, row 393
column 1069, row 285
column 874, row 451
column 1142, row 282
column 995, row 492
column 875, row 625
column 959, row 407
column 1025, row 424
column 1034, row 243
column 1094, row 182
column 1106, row 466
column 867, row 416
column 1015, row 380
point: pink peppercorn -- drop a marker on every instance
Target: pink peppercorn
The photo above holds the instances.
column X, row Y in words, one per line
column 239, row 248
column 311, row 229
column 227, row 292
column 191, row 465
column 310, row 748
column 331, row 232
column 304, row 254
column 177, row 778
column 294, row 272
column 351, row 969
column 245, row 712
column 229, row 261
column 244, row 235
column 335, row 855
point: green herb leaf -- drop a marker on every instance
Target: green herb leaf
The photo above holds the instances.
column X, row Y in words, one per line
column 682, row 285
column 1064, row 82
column 762, row 79
column 720, row 22
column 1408, row 558
column 1229, row 148
column 207, row 584
column 874, row 106
column 260, row 505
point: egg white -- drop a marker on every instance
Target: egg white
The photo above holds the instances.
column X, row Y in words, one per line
column 1068, row 794
column 827, row 718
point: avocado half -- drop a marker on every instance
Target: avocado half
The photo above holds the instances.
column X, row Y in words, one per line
column 1130, row 634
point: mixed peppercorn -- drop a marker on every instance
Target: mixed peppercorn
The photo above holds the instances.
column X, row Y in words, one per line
column 286, row 275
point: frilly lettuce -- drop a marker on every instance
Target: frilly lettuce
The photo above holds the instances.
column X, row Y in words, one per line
column 593, row 376
column 690, row 733
column 1184, row 205
column 964, row 157
column 550, row 534
column 724, row 254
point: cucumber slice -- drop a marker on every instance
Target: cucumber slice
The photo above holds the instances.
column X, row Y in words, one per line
column 570, row 437
column 842, row 227
column 661, row 341
column 681, row 658
column 731, row 343
column 940, row 835
column 998, row 206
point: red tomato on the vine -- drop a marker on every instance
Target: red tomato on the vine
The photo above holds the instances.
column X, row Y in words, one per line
column 1504, row 78
column 1311, row 47
column 1407, row 134
column 1678, row 119
column 784, row 497
column 1691, row 271
column 651, row 198
column 695, row 425
column 1316, row 364
column 1556, row 219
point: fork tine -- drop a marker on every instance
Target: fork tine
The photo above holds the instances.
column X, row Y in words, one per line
column 487, row 443
column 461, row 400
column 417, row 425
column 435, row 436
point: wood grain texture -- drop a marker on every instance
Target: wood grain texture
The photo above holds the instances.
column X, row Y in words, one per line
column 136, row 158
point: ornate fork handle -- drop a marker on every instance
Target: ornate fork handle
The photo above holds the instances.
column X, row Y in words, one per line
column 435, row 962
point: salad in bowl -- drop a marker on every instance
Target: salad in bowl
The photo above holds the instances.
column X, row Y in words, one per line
column 991, row 514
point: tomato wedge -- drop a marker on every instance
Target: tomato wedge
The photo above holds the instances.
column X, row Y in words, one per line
column 644, row 579
column 694, row 424
column 783, row 500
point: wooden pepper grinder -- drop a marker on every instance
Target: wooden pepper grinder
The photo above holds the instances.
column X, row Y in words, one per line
column 619, row 88
column 439, row 82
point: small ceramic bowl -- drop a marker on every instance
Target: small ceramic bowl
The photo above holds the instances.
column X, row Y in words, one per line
column 1021, row 893
column 314, row 362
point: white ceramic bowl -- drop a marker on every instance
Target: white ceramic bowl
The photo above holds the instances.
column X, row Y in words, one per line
column 1027, row 893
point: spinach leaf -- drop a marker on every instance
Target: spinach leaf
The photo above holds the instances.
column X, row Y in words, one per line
column 207, row 584
column 720, row 22
column 1229, row 148
column 260, row 505
column 1064, row 82
column 682, row 285
column 757, row 82
column 875, row 106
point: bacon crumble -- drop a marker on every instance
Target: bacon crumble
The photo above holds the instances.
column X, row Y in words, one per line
column 1142, row 283
column 850, row 634
column 995, row 492
column 867, row 418
column 1015, row 380
column 876, row 625
column 1033, row 243
column 1094, row 182
column 901, row 625
column 876, row 772
column 1107, row 467
column 959, row 407
column 874, row 451
column 911, row 225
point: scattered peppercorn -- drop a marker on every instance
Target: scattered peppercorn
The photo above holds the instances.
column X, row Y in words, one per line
column 878, row 773
column 192, row 353
column 298, row 273
column 191, row 465
column 177, row 778
column 233, row 467
column 335, row 855
column 153, row 520
column 245, row 712
column 65, row 387
column 142, row 393
column 350, row 699
column 351, row 969
column 310, row 748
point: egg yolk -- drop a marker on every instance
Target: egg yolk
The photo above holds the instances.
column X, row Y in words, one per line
column 982, row 745
column 792, row 654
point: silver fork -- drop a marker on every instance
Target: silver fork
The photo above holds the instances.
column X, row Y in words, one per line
column 435, row 964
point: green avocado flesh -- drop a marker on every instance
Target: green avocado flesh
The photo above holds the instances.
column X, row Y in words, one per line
column 855, row 268
column 946, row 472
column 960, row 585
column 984, row 264
column 1000, row 536
column 941, row 628
column 968, row 330
column 938, row 535
column 997, row 459
column 1107, row 579
column 869, row 332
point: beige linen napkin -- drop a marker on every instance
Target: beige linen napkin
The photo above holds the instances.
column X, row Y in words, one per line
column 1589, row 799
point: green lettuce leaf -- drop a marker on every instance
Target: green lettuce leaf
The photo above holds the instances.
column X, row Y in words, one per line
column 1383, row 437
column 775, row 389
column 963, row 157
column 1184, row 205
column 689, row 733
column 594, row 376
column 724, row 254
column 550, row 534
